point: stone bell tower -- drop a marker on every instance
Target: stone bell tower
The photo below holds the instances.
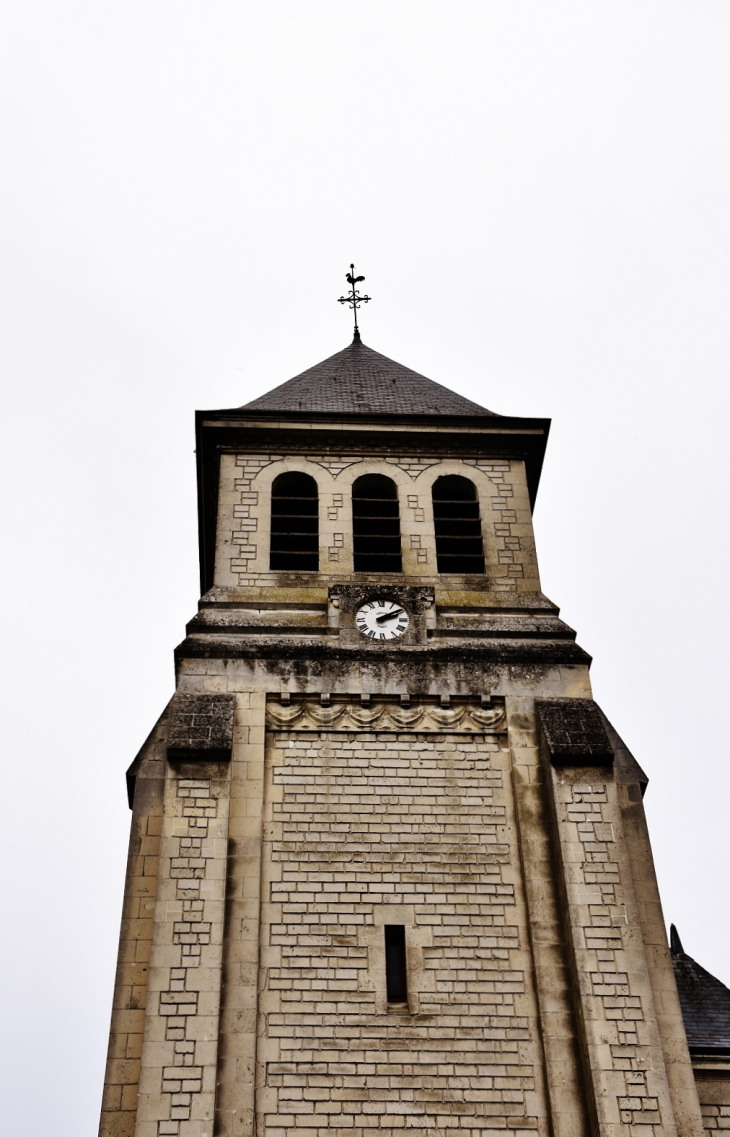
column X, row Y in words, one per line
column 389, row 867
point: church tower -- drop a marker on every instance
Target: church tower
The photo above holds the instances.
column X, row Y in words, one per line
column 389, row 868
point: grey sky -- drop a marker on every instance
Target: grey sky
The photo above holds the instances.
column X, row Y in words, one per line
column 538, row 197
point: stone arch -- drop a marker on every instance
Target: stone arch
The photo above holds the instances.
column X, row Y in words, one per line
column 457, row 525
column 294, row 540
column 376, row 524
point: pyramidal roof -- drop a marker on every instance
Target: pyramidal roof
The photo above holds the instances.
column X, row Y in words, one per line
column 359, row 380
column 704, row 1000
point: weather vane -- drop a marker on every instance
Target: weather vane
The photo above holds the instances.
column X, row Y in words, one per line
column 354, row 299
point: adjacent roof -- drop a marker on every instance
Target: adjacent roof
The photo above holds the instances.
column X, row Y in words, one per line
column 359, row 380
column 704, row 1000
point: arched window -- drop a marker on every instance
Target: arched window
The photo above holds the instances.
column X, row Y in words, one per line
column 294, row 523
column 376, row 524
column 459, row 545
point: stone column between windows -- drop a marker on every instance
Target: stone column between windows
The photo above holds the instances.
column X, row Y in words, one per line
column 179, row 1055
column 622, row 1053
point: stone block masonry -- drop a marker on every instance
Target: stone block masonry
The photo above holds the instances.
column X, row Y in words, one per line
column 242, row 556
column 716, row 1119
column 178, row 1069
column 623, row 1058
column 364, row 829
column 119, row 1104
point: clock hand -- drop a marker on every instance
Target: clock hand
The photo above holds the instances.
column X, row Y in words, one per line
column 388, row 616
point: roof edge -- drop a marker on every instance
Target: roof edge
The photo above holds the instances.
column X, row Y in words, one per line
column 238, row 414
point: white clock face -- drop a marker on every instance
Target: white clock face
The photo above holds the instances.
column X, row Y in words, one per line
column 382, row 620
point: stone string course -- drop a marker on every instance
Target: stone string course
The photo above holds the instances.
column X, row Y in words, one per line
column 362, row 825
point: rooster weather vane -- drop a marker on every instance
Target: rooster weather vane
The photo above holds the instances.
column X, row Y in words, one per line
column 354, row 299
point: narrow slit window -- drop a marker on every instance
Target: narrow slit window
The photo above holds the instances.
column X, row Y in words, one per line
column 294, row 523
column 396, row 976
column 459, row 546
column 376, row 524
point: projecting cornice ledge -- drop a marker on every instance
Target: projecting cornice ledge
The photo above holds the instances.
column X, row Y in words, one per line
column 573, row 732
column 510, row 651
column 201, row 727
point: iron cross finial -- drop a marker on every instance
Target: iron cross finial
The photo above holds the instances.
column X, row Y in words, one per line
column 354, row 299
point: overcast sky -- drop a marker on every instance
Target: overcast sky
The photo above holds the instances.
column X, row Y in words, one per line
column 537, row 194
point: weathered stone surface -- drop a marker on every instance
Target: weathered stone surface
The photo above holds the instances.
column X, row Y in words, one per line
column 177, row 1068
column 201, row 725
column 573, row 732
column 626, row 1073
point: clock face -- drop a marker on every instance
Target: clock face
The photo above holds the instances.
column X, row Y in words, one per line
column 382, row 620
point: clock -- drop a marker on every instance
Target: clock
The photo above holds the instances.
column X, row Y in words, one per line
column 382, row 620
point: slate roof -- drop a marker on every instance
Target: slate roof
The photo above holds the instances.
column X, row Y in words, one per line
column 704, row 1000
column 359, row 380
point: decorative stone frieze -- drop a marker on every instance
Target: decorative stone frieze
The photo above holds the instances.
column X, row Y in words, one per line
column 384, row 715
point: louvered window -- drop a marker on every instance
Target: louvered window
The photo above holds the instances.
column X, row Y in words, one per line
column 376, row 524
column 294, row 523
column 459, row 545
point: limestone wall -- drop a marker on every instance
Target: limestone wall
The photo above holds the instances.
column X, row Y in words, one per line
column 365, row 829
column 712, row 1076
column 714, row 1092
column 244, row 516
column 121, row 1082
